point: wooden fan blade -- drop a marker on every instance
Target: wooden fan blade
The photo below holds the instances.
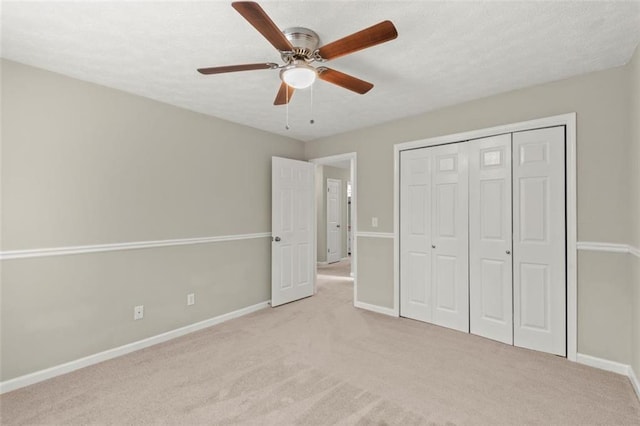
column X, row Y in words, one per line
column 281, row 97
column 376, row 34
column 257, row 17
column 234, row 68
column 344, row 80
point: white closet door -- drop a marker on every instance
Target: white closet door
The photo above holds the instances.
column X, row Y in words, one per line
column 490, row 262
column 415, row 234
column 539, row 243
column 450, row 239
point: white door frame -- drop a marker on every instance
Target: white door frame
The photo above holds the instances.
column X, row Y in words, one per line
column 352, row 157
column 567, row 120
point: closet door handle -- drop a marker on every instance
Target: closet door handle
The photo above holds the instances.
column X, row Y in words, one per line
column 433, row 246
column 508, row 251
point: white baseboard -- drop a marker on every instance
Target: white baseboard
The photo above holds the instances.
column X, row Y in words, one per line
column 634, row 381
column 39, row 376
column 375, row 308
column 603, row 364
column 327, row 263
column 615, row 367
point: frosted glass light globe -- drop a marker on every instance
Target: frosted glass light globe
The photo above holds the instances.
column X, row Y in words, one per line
column 298, row 75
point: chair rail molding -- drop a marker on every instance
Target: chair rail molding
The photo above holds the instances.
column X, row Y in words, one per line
column 375, row 234
column 96, row 248
column 608, row 247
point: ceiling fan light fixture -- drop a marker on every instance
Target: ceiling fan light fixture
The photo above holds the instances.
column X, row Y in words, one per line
column 298, row 75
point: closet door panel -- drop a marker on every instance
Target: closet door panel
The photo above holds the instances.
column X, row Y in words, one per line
column 490, row 235
column 539, row 240
column 415, row 235
column 449, row 242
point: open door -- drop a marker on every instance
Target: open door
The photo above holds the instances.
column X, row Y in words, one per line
column 334, row 216
column 292, row 230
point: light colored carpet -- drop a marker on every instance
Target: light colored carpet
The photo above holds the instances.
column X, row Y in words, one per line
column 321, row 361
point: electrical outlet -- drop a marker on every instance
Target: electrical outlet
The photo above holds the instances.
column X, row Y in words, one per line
column 374, row 222
column 191, row 299
column 138, row 312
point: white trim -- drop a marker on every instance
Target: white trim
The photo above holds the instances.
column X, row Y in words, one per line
column 634, row 381
column 571, row 199
column 58, row 370
column 613, row 366
column 353, row 158
column 567, row 120
column 375, row 308
column 396, row 230
column 327, row 263
column 557, row 120
column 96, row 248
column 609, row 247
column 603, row 364
column 634, row 251
column 375, row 234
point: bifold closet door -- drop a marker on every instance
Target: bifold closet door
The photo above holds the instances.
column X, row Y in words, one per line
column 490, row 260
column 415, row 234
column 450, row 236
column 539, row 240
column 434, row 235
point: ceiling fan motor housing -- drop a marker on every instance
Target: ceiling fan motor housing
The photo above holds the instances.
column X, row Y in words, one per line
column 304, row 41
column 299, row 47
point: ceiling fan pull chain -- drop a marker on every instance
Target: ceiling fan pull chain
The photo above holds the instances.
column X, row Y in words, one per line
column 287, row 106
column 312, row 120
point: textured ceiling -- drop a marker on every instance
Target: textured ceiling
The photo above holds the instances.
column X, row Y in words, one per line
column 445, row 53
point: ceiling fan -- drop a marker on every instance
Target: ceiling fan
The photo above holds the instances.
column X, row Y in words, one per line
column 298, row 48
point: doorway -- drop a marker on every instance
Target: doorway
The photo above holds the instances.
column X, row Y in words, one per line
column 336, row 189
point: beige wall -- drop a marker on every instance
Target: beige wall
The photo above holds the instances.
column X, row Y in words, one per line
column 322, row 174
column 84, row 164
column 601, row 102
column 634, row 191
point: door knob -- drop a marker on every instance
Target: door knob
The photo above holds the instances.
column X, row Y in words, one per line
column 508, row 251
column 433, row 246
column 277, row 239
column 337, row 226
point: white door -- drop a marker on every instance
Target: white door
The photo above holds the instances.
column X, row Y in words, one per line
column 334, row 214
column 490, row 260
column 434, row 236
column 292, row 262
column 415, row 234
column 539, row 242
column 450, row 236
